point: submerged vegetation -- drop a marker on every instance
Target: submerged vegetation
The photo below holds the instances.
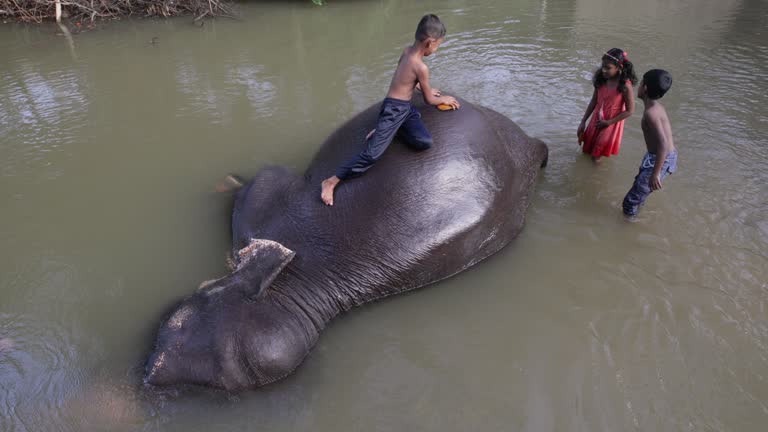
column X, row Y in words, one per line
column 81, row 10
column 91, row 10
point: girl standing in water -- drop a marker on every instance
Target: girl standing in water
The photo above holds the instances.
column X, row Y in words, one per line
column 612, row 102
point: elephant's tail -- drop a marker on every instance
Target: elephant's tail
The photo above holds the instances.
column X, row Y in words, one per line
column 230, row 183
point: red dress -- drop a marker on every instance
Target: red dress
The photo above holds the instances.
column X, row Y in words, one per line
column 606, row 141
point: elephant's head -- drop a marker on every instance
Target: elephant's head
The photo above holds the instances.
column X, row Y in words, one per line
column 229, row 334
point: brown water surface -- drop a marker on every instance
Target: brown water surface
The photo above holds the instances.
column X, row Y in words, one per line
column 110, row 146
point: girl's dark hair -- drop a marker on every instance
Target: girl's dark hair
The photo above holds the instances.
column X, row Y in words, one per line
column 618, row 57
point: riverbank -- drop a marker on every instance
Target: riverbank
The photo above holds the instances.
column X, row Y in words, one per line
column 90, row 10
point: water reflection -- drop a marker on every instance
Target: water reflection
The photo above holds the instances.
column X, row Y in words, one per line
column 260, row 92
column 235, row 88
column 39, row 369
column 44, row 113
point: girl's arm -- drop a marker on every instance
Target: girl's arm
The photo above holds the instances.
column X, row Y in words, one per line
column 590, row 107
column 629, row 101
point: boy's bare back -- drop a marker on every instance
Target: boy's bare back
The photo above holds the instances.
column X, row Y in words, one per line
column 409, row 67
column 657, row 130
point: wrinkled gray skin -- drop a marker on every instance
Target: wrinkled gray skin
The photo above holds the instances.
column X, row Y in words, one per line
column 413, row 219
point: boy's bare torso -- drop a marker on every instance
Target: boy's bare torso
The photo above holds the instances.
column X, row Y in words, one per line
column 406, row 76
column 656, row 129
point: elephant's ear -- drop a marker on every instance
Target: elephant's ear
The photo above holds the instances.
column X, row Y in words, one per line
column 259, row 263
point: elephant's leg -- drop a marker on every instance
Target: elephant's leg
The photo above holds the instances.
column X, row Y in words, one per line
column 254, row 201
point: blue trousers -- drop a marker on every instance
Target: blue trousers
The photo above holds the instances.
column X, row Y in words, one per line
column 396, row 117
column 641, row 189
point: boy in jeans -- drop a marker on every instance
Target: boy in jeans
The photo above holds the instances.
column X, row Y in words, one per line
column 397, row 113
column 661, row 158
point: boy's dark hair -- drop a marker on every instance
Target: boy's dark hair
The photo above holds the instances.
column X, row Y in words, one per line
column 618, row 57
column 657, row 82
column 430, row 26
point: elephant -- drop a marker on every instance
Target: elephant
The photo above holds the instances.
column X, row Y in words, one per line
column 415, row 218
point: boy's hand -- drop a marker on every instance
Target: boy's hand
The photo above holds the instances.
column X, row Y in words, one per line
column 655, row 182
column 450, row 100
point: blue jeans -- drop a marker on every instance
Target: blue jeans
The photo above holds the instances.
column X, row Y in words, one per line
column 396, row 117
column 642, row 187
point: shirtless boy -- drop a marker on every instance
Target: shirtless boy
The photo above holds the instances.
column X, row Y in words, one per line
column 397, row 114
column 661, row 158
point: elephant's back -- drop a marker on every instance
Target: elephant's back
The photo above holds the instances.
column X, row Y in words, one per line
column 458, row 135
column 418, row 217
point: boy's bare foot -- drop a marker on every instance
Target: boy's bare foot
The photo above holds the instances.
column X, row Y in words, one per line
column 328, row 186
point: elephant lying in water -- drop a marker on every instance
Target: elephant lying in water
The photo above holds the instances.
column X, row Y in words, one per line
column 413, row 219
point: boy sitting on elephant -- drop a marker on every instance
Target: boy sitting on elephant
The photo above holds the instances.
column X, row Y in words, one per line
column 397, row 115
